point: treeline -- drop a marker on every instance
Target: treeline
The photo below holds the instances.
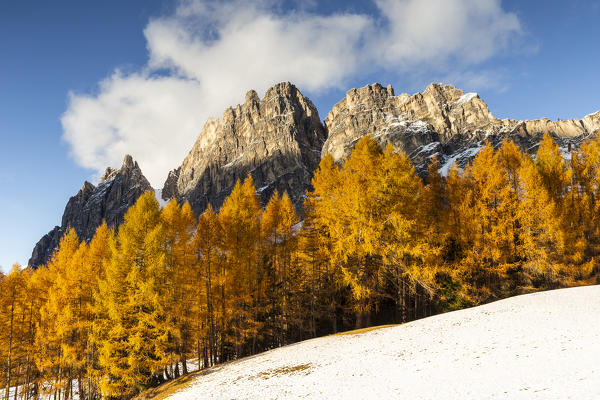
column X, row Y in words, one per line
column 376, row 244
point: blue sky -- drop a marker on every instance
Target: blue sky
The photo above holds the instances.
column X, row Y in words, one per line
column 83, row 83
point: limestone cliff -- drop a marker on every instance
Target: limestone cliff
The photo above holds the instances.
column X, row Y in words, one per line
column 276, row 139
column 442, row 121
column 280, row 140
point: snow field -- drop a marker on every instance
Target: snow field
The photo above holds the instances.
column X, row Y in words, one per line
column 537, row 346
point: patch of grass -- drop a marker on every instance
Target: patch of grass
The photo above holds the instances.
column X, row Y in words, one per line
column 166, row 389
column 282, row 371
column 364, row 330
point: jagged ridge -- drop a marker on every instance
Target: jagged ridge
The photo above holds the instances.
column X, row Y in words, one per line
column 443, row 121
column 280, row 140
column 276, row 139
column 109, row 201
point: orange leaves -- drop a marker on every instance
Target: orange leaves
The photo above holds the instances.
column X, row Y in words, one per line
column 369, row 210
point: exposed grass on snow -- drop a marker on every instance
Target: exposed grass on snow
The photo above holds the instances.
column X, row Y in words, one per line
column 365, row 330
column 284, row 371
column 168, row 388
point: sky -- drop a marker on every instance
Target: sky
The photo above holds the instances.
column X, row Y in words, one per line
column 82, row 83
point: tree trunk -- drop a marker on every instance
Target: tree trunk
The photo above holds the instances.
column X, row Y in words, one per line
column 209, row 305
column 16, row 385
column 184, row 365
column 30, row 337
column 10, row 339
column 176, row 370
column 404, row 311
column 313, row 326
column 333, row 319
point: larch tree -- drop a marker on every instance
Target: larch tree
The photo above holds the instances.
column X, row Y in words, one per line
column 355, row 227
column 278, row 237
column 487, row 185
column 316, row 245
column 545, row 183
column 208, row 313
column 240, row 221
column 99, row 253
column 54, row 334
column 136, row 337
column 180, row 257
column 408, row 241
column 12, row 345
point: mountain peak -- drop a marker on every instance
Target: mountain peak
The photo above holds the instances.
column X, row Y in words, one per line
column 87, row 187
column 108, row 174
column 109, row 201
column 252, row 96
column 128, row 162
column 277, row 139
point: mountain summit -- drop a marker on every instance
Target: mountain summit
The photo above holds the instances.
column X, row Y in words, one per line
column 442, row 121
column 280, row 141
column 277, row 139
column 117, row 190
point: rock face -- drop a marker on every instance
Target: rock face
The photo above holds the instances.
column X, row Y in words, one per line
column 280, row 140
column 442, row 121
column 109, row 201
column 276, row 139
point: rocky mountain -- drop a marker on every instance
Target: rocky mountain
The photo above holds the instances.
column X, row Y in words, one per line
column 278, row 139
column 442, row 121
column 109, row 201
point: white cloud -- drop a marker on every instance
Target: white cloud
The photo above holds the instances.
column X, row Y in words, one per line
column 213, row 52
column 435, row 30
column 152, row 118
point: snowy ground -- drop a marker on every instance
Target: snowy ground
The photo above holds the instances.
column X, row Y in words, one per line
column 538, row 346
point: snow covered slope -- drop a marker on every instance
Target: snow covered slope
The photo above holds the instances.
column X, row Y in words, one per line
column 537, row 346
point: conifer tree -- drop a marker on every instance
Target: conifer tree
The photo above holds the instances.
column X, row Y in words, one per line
column 355, row 227
column 136, row 336
column 208, row 313
column 409, row 247
column 270, row 258
column 494, row 222
column 580, row 219
column 54, row 340
column 318, row 287
column 545, row 184
column 99, row 253
column 179, row 224
column 277, row 228
column 240, row 221
column 12, row 302
column 320, row 208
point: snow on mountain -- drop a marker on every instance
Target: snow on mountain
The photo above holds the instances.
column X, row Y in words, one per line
column 158, row 196
column 465, row 98
column 537, row 346
column 463, row 155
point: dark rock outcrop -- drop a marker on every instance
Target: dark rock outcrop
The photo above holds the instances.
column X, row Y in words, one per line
column 109, row 201
column 45, row 247
column 276, row 139
column 169, row 190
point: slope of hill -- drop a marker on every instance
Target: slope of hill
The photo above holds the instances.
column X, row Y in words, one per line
column 537, row 346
